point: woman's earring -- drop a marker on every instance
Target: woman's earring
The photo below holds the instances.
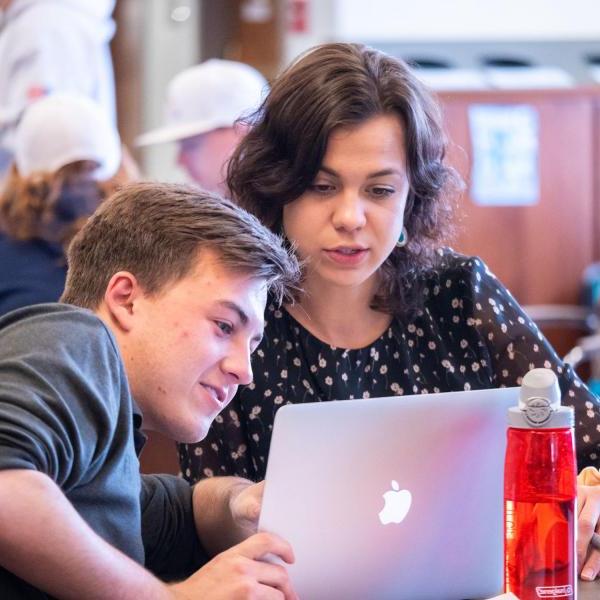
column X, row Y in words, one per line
column 403, row 239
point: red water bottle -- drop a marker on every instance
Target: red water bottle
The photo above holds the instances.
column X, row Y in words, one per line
column 540, row 493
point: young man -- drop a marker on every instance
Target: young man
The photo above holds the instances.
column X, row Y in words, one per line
column 163, row 305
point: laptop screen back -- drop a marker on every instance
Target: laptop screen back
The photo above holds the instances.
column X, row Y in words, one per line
column 397, row 497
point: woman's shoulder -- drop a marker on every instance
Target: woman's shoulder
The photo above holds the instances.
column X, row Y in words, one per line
column 460, row 280
column 454, row 267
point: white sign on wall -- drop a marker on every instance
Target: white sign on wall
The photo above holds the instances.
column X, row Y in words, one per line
column 505, row 144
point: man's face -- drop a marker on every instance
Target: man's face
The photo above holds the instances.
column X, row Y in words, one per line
column 189, row 347
column 205, row 157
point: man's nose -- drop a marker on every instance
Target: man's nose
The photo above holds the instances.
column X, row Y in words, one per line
column 238, row 365
column 181, row 156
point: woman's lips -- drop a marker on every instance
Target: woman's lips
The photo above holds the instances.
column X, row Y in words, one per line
column 347, row 256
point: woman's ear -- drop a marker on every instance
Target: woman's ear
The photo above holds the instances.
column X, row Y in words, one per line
column 122, row 293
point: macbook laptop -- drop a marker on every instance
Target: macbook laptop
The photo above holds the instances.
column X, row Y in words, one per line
column 398, row 497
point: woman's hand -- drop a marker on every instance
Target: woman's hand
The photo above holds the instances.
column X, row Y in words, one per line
column 588, row 556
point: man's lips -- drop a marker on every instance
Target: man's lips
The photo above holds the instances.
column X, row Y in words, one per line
column 217, row 393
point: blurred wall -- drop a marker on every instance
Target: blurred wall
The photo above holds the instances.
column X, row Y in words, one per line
column 170, row 43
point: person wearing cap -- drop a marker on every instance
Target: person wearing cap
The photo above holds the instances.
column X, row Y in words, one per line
column 204, row 103
column 65, row 146
column 51, row 46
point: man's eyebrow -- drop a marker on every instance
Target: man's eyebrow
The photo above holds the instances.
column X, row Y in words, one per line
column 236, row 308
column 242, row 315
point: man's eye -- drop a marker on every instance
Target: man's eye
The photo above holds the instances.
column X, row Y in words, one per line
column 224, row 327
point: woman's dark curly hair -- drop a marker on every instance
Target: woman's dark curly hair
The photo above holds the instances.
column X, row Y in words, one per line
column 342, row 85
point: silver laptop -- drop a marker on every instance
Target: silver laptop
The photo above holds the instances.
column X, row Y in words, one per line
column 398, row 497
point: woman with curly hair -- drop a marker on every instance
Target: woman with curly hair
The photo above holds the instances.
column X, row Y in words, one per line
column 65, row 146
column 346, row 159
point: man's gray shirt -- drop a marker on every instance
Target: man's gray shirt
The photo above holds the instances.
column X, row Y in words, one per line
column 66, row 410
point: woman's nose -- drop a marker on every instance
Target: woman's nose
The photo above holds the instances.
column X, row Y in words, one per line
column 349, row 211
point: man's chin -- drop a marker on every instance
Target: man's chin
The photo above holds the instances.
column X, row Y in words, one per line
column 193, row 432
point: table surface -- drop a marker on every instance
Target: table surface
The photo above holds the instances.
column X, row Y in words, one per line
column 586, row 590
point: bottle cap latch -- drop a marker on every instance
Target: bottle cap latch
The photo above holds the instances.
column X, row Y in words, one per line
column 538, row 411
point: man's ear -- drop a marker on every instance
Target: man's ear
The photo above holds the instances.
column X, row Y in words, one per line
column 122, row 293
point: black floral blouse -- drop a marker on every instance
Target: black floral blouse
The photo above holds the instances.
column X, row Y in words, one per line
column 470, row 334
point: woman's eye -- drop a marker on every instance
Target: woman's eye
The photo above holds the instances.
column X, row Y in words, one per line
column 382, row 192
column 226, row 328
column 321, row 188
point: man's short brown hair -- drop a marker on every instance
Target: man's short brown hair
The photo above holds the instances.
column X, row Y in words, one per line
column 156, row 230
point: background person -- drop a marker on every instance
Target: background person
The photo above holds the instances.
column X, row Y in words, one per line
column 65, row 146
column 163, row 305
column 346, row 159
column 203, row 105
column 52, row 46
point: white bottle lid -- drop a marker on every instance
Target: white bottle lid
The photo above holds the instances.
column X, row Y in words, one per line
column 540, row 383
column 539, row 403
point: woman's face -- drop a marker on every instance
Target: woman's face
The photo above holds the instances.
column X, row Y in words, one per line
column 349, row 220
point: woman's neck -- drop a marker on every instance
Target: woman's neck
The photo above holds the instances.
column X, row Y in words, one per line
column 340, row 316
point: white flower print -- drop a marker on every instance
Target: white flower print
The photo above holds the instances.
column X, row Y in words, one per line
column 456, row 340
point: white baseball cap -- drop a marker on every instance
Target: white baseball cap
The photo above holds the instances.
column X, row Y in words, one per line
column 208, row 96
column 64, row 128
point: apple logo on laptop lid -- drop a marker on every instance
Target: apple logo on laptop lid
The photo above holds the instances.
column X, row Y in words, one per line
column 396, row 504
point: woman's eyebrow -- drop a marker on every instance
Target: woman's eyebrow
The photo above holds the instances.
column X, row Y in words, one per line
column 381, row 173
